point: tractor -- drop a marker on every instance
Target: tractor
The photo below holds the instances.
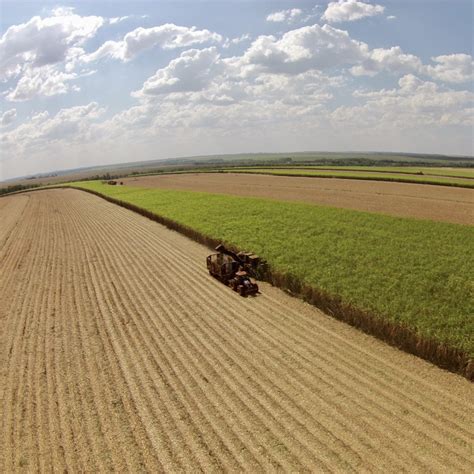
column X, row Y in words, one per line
column 234, row 269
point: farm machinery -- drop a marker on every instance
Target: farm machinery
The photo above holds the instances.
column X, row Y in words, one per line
column 234, row 269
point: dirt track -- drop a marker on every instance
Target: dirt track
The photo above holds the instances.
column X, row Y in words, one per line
column 119, row 352
column 440, row 203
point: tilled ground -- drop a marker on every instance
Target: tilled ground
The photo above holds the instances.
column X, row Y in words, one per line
column 119, row 352
column 422, row 201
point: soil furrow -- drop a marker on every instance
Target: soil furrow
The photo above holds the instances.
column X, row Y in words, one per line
column 124, row 290
column 171, row 350
column 183, row 309
column 105, row 362
column 97, row 378
column 356, row 368
column 17, row 429
column 183, row 312
column 114, row 329
column 243, row 356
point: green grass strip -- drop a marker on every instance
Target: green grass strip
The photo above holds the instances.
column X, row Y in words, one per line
column 414, row 272
column 373, row 176
column 410, row 170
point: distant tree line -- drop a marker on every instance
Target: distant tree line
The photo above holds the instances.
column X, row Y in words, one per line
column 17, row 187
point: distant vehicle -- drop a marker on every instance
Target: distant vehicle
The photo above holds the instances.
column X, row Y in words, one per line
column 234, row 269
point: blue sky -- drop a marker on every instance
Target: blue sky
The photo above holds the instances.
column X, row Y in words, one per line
column 89, row 83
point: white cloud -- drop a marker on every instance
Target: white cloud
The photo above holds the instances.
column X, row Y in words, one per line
column 323, row 48
column 302, row 49
column 413, row 104
column 454, row 68
column 391, row 17
column 118, row 19
column 311, row 50
column 41, row 53
column 8, row 117
column 45, row 81
column 193, row 70
column 167, row 36
column 40, row 116
column 240, row 39
column 286, row 16
column 44, row 41
column 284, row 80
column 393, row 60
column 69, row 126
column 350, row 10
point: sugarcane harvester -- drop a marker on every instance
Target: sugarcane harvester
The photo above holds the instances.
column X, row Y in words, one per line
column 234, row 269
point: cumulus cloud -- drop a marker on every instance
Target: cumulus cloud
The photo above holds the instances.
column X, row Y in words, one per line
column 44, row 54
column 44, row 41
column 286, row 16
column 232, row 41
column 8, row 117
column 70, row 125
column 41, row 53
column 287, row 76
column 454, row 68
column 225, row 105
column 326, row 47
column 415, row 102
column 393, row 60
column 45, row 81
column 302, row 49
column 192, row 71
column 315, row 50
column 350, row 10
column 167, row 36
column 266, row 67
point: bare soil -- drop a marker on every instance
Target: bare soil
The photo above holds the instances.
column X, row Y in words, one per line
column 422, row 201
column 119, row 352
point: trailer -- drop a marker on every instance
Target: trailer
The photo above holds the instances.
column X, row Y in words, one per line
column 234, row 269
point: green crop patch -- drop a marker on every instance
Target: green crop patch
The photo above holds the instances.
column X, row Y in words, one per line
column 459, row 179
column 413, row 272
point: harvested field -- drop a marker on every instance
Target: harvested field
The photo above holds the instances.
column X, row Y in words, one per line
column 119, row 352
column 422, row 201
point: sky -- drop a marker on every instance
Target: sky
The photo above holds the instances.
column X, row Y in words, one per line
column 92, row 83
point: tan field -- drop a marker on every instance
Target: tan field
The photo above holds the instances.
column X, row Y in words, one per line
column 422, row 201
column 119, row 352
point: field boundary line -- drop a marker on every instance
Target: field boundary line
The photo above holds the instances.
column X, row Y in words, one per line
column 317, row 168
column 360, row 178
column 397, row 335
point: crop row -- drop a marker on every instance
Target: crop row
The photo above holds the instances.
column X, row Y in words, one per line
column 369, row 174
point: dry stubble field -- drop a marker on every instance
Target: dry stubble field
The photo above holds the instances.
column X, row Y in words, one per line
column 422, row 201
column 119, row 352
